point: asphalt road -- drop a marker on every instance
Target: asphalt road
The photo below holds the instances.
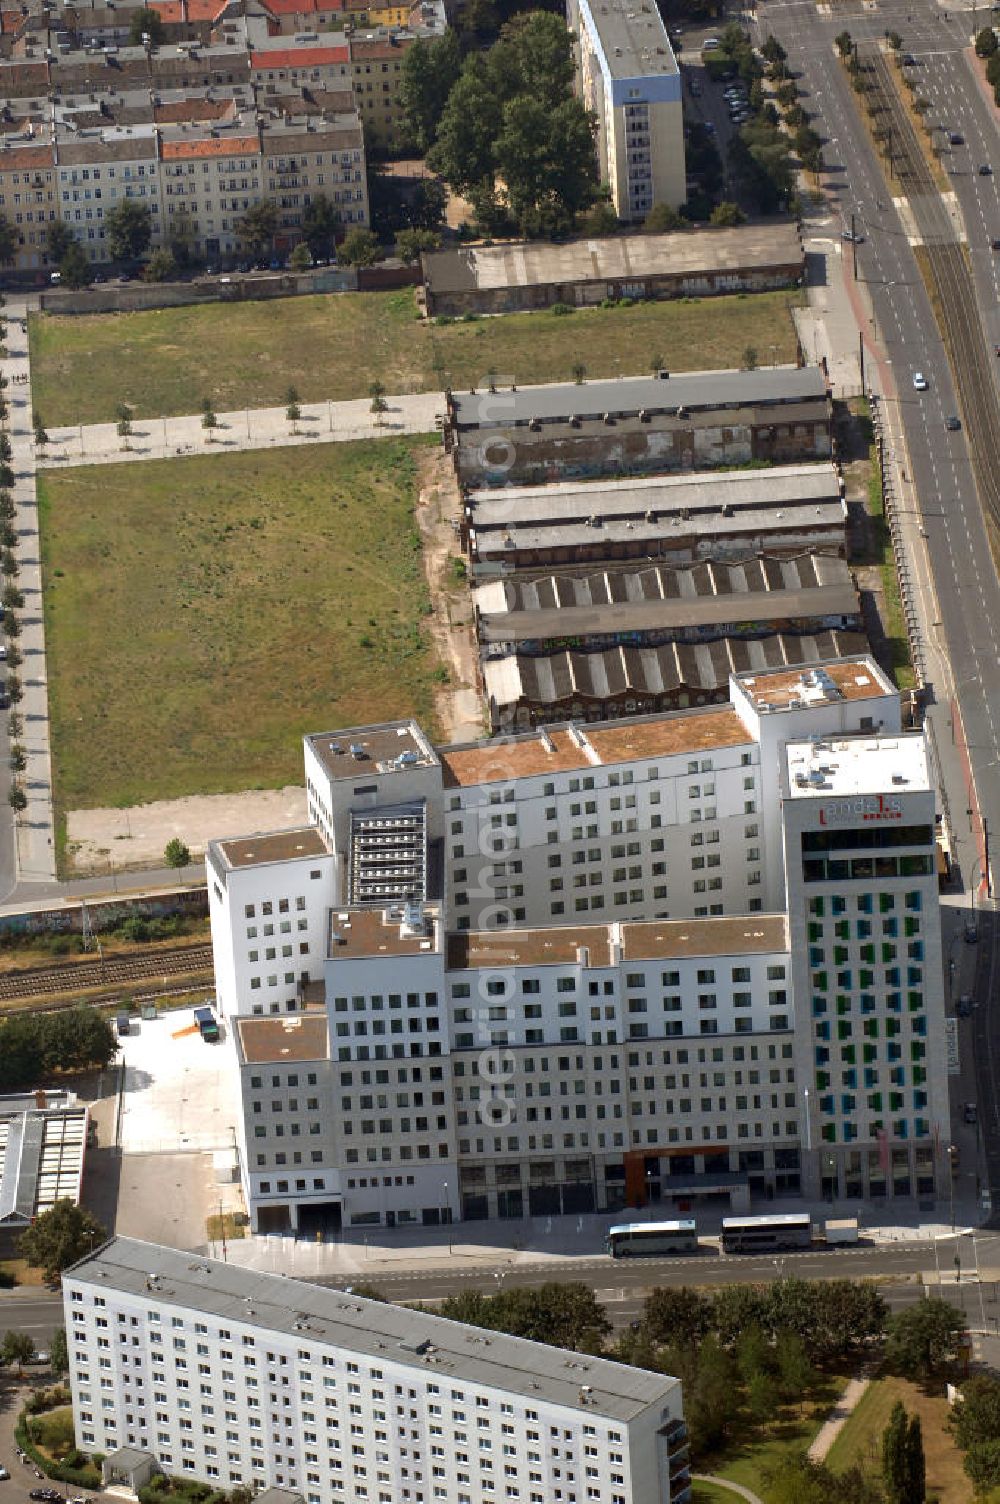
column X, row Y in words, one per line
column 38, row 1315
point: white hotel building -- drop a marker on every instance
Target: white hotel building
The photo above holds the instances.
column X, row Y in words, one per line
column 200, row 1368
column 681, row 957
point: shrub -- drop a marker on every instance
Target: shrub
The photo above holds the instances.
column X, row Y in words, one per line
column 561, row 309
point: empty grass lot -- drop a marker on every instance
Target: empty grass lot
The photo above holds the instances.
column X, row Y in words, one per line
column 860, row 1440
column 202, row 613
column 164, row 362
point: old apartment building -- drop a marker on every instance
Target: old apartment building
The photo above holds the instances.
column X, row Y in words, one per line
column 202, row 1370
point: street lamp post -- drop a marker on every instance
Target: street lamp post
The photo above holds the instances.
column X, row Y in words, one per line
column 446, row 1213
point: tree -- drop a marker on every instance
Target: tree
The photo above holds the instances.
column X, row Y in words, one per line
column 293, row 411
column 74, row 268
column 161, row 266
column 844, row 43
column 430, row 70
column 750, row 358
column 15, row 690
column 8, row 241
column 982, row 1464
column 923, row 1338
column 124, row 424
column 256, row 228
column 916, row 1467
column 58, row 239
column 773, row 50
column 12, row 598
column 9, row 565
column 894, row 1469
column 976, row 1416
column 359, row 247
column 146, row 22
column 17, row 799
column 60, row 1236
column 579, row 372
column 410, row 243
column 176, row 854
column 320, row 223
column 986, row 42
column 544, row 156
column 38, row 424
column 59, row 1351
column 301, row 258
column 677, row 1314
column 467, row 130
column 128, row 228
column 762, row 1396
column 208, row 419
column 181, row 237
column 18, row 758
column 562, row 1315
column 601, row 220
column 796, row 1374
column 17, row 1348
column 727, row 213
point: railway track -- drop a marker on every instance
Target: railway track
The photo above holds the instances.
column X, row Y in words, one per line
column 124, row 970
column 954, row 291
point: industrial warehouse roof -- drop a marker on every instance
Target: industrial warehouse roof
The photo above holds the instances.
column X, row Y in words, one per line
column 698, row 668
column 42, row 1143
column 705, row 594
column 692, row 390
column 612, row 259
column 700, row 491
column 314, row 1317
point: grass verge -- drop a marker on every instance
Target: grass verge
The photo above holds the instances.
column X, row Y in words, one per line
column 893, row 619
column 165, row 361
column 201, row 614
column 860, row 1440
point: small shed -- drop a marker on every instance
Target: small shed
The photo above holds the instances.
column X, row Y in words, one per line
column 129, row 1467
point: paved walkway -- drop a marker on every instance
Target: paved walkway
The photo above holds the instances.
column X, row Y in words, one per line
column 734, row 1488
column 250, row 428
column 837, row 1419
column 35, row 846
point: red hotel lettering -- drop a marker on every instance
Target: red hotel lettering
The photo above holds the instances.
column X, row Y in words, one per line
column 869, row 807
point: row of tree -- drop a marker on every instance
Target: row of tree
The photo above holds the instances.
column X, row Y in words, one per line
column 35, row 1045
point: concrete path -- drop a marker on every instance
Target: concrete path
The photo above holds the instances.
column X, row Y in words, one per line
column 734, row 1488
column 35, row 846
column 837, row 1419
column 251, row 428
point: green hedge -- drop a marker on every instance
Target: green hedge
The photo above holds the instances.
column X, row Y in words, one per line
column 76, row 1469
column 165, row 1490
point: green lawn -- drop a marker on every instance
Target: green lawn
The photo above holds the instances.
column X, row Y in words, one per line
column 166, row 361
column 860, row 1439
column 202, row 613
column 793, row 1429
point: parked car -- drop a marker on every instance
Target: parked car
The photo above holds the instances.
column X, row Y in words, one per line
column 952, row 424
column 920, row 382
column 995, row 245
column 964, row 1009
column 969, row 1112
column 853, row 237
column 4, row 1475
column 985, row 170
column 956, row 138
column 710, row 44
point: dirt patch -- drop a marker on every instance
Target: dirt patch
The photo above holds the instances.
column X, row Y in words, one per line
column 458, row 703
column 106, row 841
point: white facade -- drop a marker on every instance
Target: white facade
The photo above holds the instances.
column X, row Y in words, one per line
column 593, row 986
column 628, row 76
column 236, row 1377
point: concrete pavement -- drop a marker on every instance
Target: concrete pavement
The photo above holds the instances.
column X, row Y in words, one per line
column 249, row 428
column 35, row 844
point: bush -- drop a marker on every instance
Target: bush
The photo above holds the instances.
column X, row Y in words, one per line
column 176, row 854
column 561, row 309
column 986, row 42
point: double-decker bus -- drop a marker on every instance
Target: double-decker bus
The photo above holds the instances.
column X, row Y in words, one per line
column 637, row 1239
column 766, row 1234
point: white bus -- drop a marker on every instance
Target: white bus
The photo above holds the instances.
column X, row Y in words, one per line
column 765, row 1234
column 637, row 1239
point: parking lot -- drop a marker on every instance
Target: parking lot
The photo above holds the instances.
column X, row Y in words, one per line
column 180, row 1093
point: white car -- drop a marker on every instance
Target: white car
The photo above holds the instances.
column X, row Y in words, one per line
column 4, row 1475
column 920, row 382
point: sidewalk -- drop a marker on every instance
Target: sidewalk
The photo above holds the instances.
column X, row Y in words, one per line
column 837, row 1419
column 35, row 845
column 466, row 1249
column 250, row 428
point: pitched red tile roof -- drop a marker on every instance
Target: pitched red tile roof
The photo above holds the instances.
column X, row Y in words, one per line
column 299, row 57
column 210, row 146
